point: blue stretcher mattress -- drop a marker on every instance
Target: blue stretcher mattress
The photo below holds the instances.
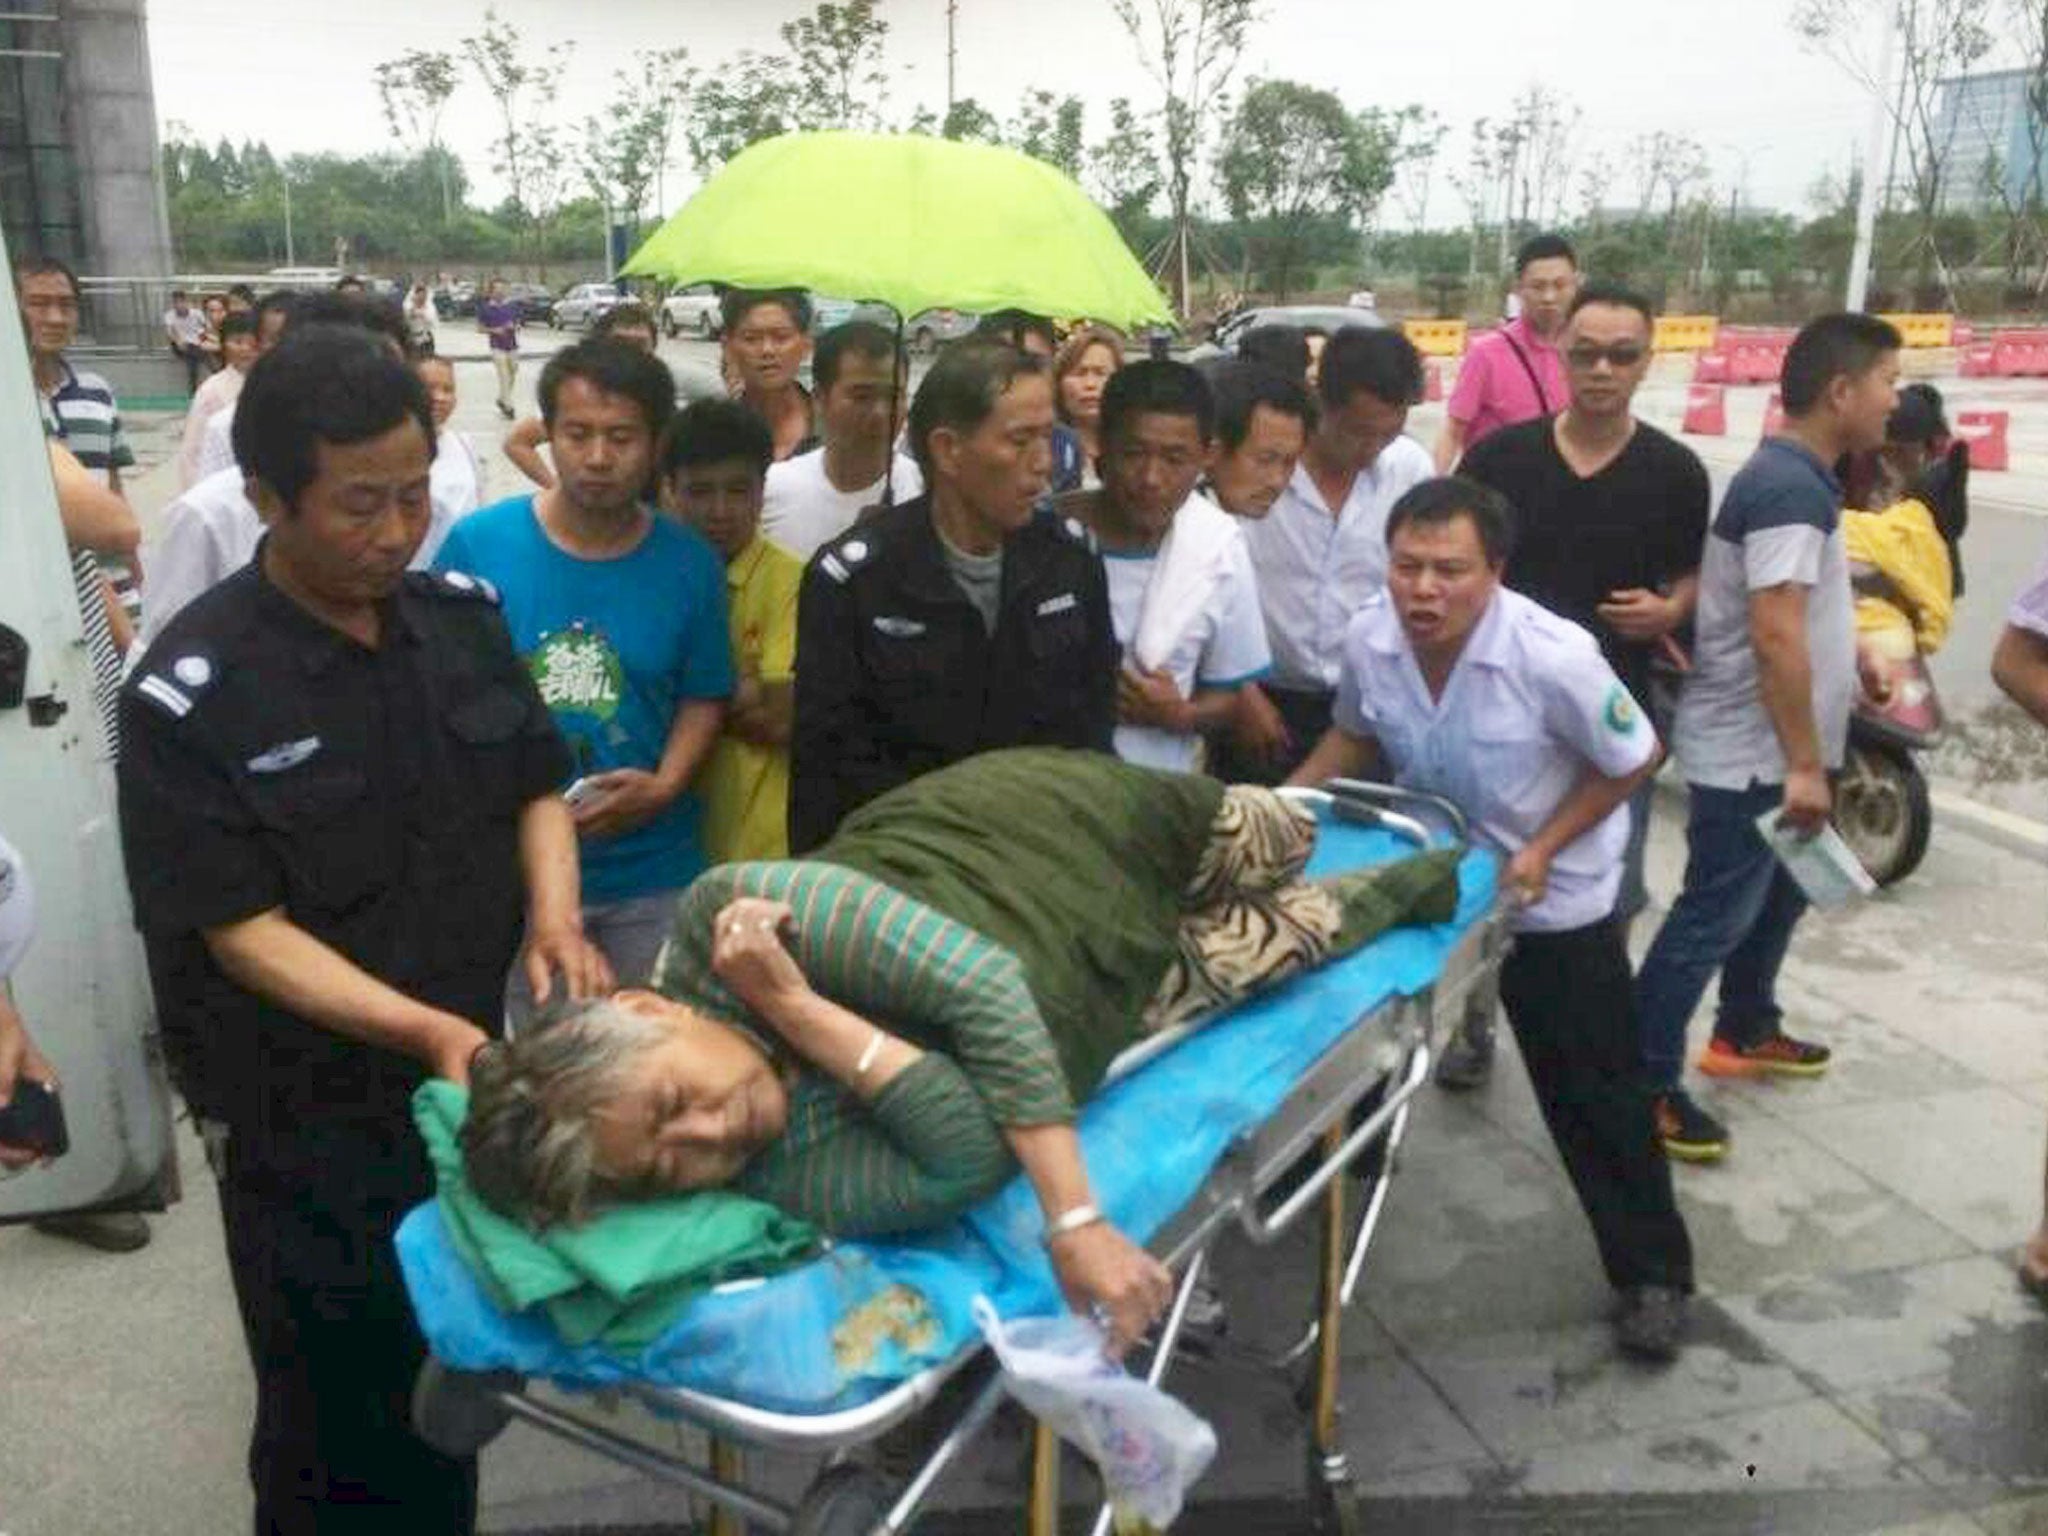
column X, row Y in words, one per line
column 1150, row 1138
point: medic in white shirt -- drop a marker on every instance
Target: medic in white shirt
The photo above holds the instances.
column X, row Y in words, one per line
column 1182, row 596
column 1461, row 687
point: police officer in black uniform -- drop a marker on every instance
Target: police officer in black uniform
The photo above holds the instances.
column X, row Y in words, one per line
column 338, row 805
column 968, row 619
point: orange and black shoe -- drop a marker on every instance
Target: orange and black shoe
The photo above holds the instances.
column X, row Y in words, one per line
column 1778, row 1056
column 1689, row 1133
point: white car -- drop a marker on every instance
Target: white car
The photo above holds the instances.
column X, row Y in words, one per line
column 578, row 309
column 694, row 310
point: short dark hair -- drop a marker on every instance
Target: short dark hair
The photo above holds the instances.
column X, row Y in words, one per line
column 237, row 323
column 243, row 292
column 962, row 390
column 713, row 431
column 1380, row 362
column 1831, row 347
column 1432, row 503
column 1241, row 388
column 1156, row 387
column 321, row 384
column 1282, row 348
column 1011, row 326
column 735, row 304
column 45, row 266
column 1921, row 416
column 862, row 338
column 629, row 315
column 616, row 368
column 349, row 282
column 1544, row 247
column 1615, row 296
column 380, row 317
column 179, row 293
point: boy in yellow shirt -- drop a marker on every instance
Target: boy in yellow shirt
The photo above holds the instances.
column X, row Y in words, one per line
column 714, row 461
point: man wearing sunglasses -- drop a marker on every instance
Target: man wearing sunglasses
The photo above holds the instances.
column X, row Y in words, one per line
column 1611, row 518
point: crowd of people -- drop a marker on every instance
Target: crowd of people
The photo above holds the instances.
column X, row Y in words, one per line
column 396, row 768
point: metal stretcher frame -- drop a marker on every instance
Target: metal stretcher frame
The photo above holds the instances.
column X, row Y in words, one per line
column 1356, row 1097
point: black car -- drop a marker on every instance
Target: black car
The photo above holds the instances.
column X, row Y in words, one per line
column 536, row 305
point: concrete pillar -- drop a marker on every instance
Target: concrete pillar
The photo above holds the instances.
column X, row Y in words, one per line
column 110, row 118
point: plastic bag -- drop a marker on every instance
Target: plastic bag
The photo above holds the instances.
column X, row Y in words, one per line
column 1149, row 1447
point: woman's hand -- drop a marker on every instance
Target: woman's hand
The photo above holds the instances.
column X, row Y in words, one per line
column 20, row 1062
column 1107, row 1276
column 749, row 956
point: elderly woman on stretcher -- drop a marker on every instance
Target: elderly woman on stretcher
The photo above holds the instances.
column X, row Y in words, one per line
column 874, row 1039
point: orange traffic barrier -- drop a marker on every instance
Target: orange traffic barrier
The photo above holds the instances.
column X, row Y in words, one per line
column 1436, row 338
column 1985, row 432
column 1923, row 330
column 1774, row 415
column 1710, row 367
column 1706, row 411
column 1962, row 334
column 1686, row 333
column 1756, row 356
column 1979, row 361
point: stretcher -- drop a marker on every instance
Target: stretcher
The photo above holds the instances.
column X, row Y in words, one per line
column 1291, row 1104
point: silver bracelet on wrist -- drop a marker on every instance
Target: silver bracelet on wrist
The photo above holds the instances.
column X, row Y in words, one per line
column 1071, row 1221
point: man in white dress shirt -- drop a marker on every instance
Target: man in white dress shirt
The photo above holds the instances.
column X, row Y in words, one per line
column 1322, row 551
column 1455, row 685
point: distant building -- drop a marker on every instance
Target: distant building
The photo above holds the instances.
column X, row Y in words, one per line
column 1982, row 129
column 80, row 173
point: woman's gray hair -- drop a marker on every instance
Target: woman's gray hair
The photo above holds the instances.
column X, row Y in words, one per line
column 529, row 1145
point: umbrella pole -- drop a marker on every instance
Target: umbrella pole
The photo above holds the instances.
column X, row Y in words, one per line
column 889, row 468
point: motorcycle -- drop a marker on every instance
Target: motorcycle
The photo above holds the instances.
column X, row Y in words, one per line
column 1882, row 808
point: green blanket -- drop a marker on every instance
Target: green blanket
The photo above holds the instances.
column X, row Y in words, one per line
column 1078, row 872
column 623, row 1276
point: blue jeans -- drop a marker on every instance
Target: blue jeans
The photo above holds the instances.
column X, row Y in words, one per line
column 1736, row 914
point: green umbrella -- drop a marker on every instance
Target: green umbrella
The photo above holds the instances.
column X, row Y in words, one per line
column 912, row 222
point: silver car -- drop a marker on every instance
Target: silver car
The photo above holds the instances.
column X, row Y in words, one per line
column 693, row 311
column 578, row 309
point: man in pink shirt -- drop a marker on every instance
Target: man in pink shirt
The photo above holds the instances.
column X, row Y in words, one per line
column 1514, row 374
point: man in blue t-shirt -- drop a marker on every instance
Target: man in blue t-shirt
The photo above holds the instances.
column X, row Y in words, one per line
column 620, row 614
column 1762, row 722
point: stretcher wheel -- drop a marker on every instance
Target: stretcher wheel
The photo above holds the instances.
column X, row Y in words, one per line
column 845, row 1500
column 458, row 1412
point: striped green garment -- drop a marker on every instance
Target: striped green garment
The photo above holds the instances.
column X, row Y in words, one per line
column 930, row 1144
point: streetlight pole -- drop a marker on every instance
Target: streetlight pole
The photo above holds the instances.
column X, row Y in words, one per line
column 290, row 255
column 1873, row 156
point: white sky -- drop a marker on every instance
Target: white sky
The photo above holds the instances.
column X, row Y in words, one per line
column 1772, row 115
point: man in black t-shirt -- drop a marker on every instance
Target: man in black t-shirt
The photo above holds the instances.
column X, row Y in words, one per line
column 1610, row 522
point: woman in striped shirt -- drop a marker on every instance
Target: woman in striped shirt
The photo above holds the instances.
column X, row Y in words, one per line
column 876, row 1038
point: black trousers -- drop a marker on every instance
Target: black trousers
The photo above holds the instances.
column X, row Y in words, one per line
column 310, row 1215
column 1570, row 1001
column 1307, row 716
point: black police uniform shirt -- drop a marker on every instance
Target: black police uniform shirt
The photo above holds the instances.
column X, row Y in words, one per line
column 896, row 674
column 374, row 794
column 1640, row 522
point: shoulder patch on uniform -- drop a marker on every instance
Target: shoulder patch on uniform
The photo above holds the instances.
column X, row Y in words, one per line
column 165, row 695
column 462, row 584
column 830, row 564
column 1620, row 712
column 853, row 551
column 1078, row 531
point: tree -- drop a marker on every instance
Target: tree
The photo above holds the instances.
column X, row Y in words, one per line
column 1293, row 154
column 1191, row 48
column 1123, row 171
column 624, row 150
column 1422, row 141
column 968, row 119
column 415, row 88
column 835, row 55
column 1938, row 40
column 528, row 152
column 1049, row 128
column 753, row 97
column 1666, row 169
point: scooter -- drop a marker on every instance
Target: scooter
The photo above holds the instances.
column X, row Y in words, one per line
column 1881, row 805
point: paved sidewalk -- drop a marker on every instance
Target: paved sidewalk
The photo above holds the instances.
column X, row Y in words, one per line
column 1864, row 1361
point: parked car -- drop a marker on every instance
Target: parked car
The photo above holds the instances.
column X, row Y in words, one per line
column 695, row 310
column 579, row 306
column 1302, row 317
column 828, row 312
column 536, row 304
column 931, row 330
column 456, row 302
